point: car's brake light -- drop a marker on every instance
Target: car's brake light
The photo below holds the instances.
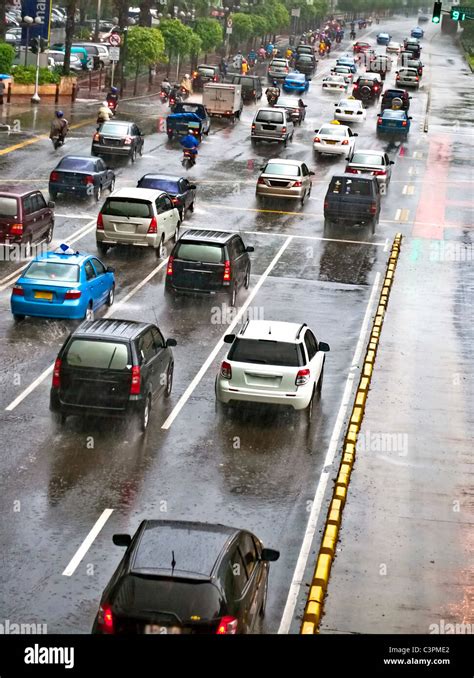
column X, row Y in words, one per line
column 297, row 184
column 227, row 626
column 96, row 136
column 215, row 78
column 404, row 123
column 72, row 294
column 253, row 126
column 317, row 140
column 351, row 170
column 226, row 370
column 326, row 204
column 356, row 87
column 373, row 208
column 175, row 201
column 100, row 222
column 379, row 121
column 283, row 130
column 302, row 377
column 416, row 78
column 56, row 383
column 260, row 180
column 89, row 180
column 379, row 173
column 153, row 227
column 169, row 268
column 345, row 142
column 54, row 176
column 376, row 89
column 127, row 141
column 18, row 291
column 226, row 276
column 135, row 386
column 16, row 229
column 105, row 619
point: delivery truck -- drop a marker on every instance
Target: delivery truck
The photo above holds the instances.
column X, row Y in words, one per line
column 223, row 100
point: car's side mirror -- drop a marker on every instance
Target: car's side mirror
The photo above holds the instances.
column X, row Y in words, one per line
column 355, row 134
column 51, row 204
column 122, row 539
column 392, row 162
column 110, row 269
column 270, row 555
column 250, row 248
column 229, row 338
column 311, row 174
column 324, row 347
column 410, row 117
column 192, row 187
column 171, row 342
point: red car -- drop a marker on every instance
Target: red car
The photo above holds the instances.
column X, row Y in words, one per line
column 360, row 47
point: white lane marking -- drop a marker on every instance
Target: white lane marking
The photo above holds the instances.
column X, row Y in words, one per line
column 24, row 394
column 87, row 543
column 405, row 189
column 184, row 398
column 397, row 214
column 298, row 574
column 75, row 216
column 385, row 249
column 417, row 155
column 410, row 171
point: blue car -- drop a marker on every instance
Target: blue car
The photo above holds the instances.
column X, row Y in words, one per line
column 63, row 284
column 393, row 121
column 295, row 82
column 347, row 61
column 383, row 38
column 417, row 32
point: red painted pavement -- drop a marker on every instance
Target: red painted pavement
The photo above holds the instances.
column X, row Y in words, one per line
column 433, row 197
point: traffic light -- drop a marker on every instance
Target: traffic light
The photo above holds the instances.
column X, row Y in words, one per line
column 35, row 45
column 436, row 18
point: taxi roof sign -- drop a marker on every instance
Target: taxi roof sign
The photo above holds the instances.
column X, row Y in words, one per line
column 65, row 249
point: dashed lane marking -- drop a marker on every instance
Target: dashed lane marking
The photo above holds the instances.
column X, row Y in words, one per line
column 87, row 543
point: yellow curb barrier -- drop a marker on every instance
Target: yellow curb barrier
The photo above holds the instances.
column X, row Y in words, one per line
column 327, row 550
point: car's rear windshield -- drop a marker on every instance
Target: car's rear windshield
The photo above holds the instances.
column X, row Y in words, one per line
column 366, row 82
column 278, row 62
column 103, row 355
column 350, row 187
column 8, row 207
column 281, row 168
column 305, row 57
column 396, row 115
column 295, row 77
column 191, row 251
column 79, row 164
column 52, row 271
column 206, row 71
column 90, row 49
column 114, row 129
column 265, row 352
column 127, row 207
column 247, row 82
column 333, row 131
column 159, row 184
column 270, row 116
column 367, row 159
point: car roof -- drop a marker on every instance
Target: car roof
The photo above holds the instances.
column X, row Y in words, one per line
column 274, row 330
column 118, row 122
column 16, row 191
column 286, row 161
column 161, row 177
column 138, row 193
column 76, row 258
column 204, row 236
column 395, row 92
column 352, row 177
column 371, row 151
column 79, row 157
column 195, row 547
column 110, row 327
column 296, row 76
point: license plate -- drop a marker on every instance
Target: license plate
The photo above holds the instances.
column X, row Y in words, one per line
column 348, row 112
column 331, row 142
column 44, row 295
column 153, row 629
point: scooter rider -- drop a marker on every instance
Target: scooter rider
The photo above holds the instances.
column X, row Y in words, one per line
column 273, row 93
column 104, row 114
column 112, row 97
column 190, row 144
column 166, row 85
column 59, row 126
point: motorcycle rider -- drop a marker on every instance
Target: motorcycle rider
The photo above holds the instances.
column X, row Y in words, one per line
column 104, row 114
column 112, row 96
column 187, row 84
column 166, row 86
column 59, row 126
column 237, row 62
column 273, row 93
column 190, row 144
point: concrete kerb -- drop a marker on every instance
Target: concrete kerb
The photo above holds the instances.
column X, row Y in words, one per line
column 315, row 601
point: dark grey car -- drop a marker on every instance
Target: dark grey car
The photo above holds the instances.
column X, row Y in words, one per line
column 118, row 137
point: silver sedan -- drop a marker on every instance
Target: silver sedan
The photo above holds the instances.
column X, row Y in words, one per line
column 284, row 179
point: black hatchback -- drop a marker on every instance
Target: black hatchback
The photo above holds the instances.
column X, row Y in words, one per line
column 81, row 175
column 112, row 368
column 181, row 191
column 179, row 577
column 208, row 262
column 390, row 94
column 118, row 137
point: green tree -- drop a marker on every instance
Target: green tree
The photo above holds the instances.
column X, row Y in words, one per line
column 71, row 6
column 178, row 39
column 7, row 54
column 242, row 28
column 259, row 25
column 3, row 25
column 210, row 32
column 195, row 47
column 145, row 47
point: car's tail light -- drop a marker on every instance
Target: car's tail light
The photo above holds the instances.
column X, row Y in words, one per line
column 18, row 291
column 326, row 204
column 215, row 78
column 135, row 386
column 302, row 377
column 56, row 383
column 127, row 141
column 100, row 222
column 227, row 271
column 195, row 74
column 175, row 201
column 379, row 121
column 227, row 626
column 96, row 136
column 373, row 208
column 416, row 78
column 376, row 89
column 351, row 170
column 72, row 294
column 253, row 127
column 317, row 140
column 16, row 229
column 169, row 268
column 54, row 176
column 345, row 142
column 404, row 123
column 261, row 181
column 105, row 619
column 297, row 184
column 89, row 180
column 379, row 173
column 226, row 370
column 153, row 227
column 283, row 130
column 355, row 87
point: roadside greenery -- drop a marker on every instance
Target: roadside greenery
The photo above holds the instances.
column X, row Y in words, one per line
column 25, row 75
column 7, row 54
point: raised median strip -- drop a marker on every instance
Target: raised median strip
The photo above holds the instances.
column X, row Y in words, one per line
column 318, row 588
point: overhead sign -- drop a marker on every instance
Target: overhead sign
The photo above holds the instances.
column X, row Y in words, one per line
column 228, row 30
column 115, row 39
column 295, row 11
column 36, row 9
column 114, row 53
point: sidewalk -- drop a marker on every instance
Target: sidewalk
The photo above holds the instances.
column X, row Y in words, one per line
column 405, row 560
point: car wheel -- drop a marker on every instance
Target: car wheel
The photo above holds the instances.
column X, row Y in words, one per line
column 133, row 154
column 60, row 418
column 17, row 317
column 53, row 195
column 102, row 247
column 169, row 380
column 161, row 250
column 373, row 224
column 309, row 409
column 320, row 381
column 49, row 234
column 111, row 296
column 263, row 606
column 233, row 295
column 176, row 233
column 89, row 312
column 247, row 278
column 98, row 193
column 141, row 150
column 285, row 142
column 145, row 415
column 303, row 199
column 191, row 207
column 112, row 185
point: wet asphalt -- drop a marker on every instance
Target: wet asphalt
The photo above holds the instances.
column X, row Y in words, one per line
column 255, row 468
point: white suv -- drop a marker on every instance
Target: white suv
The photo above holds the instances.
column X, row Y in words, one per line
column 272, row 362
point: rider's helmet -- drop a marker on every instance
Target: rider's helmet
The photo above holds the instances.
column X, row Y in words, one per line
column 104, row 103
column 59, row 114
column 114, row 90
column 186, row 76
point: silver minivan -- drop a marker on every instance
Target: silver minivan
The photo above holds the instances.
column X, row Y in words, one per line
column 408, row 77
column 141, row 217
column 272, row 124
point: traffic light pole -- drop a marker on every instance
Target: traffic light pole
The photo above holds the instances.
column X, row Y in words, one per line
column 35, row 99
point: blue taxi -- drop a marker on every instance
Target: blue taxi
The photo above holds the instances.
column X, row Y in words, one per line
column 295, row 82
column 393, row 121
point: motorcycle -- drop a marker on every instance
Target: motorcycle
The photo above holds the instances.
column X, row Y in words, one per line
column 272, row 99
column 184, row 93
column 58, row 139
column 112, row 106
column 189, row 159
column 174, row 99
column 352, row 35
column 164, row 96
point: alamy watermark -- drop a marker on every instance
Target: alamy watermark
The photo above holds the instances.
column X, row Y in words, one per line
column 451, row 628
column 23, row 252
column 376, row 441
column 225, row 314
column 9, row 628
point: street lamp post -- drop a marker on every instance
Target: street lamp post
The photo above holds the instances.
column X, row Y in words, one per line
column 36, row 98
column 26, row 22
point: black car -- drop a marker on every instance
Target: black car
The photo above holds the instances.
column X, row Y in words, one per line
column 352, row 200
column 112, row 368
column 414, row 47
column 118, row 137
column 251, row 85
column 181, row 191
column 306, row 64
column 407, row 61
column 205, row 73
column 367, row 87
column 298, row 114
column 81, row 175
column 390, row 94
column 180, row 577
column 208, row 262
